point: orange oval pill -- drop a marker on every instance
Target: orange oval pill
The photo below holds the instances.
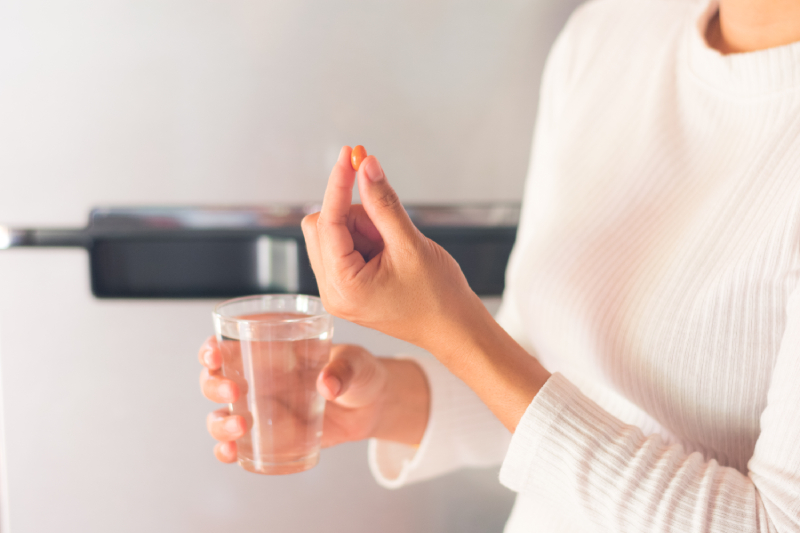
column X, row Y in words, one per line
column 357, row 156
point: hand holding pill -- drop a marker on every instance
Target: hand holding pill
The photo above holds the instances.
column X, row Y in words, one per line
column 374, row 267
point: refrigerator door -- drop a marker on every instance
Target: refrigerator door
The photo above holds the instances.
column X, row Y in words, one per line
column 235, row 102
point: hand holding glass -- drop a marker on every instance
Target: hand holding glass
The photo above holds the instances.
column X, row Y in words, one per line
column 273, row 348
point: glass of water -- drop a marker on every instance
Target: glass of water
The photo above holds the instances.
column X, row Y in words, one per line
column 274, row 347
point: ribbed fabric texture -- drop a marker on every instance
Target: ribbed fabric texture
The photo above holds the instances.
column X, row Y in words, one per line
column 448, row 443
column 656, row 274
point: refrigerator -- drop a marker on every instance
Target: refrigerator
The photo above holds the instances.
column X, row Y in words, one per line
column 174, row 104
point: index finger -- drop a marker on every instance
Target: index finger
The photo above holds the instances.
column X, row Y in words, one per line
column 337, row 247
column 309, row 227
column 339, row 192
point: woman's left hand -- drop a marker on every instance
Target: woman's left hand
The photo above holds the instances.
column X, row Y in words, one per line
column 375, row 268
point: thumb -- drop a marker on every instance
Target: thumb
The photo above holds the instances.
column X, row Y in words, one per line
column 352, row 377
column 382, row 203
column 335, row 379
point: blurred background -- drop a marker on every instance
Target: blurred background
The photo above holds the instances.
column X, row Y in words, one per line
column 164, row 102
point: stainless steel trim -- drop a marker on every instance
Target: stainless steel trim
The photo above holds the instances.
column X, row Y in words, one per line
column 277, row 264
column 10, row 237
column 277, row 216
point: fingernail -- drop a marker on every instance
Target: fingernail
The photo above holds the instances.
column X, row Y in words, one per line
column 207, row 357
column 373, row 170
column 334, row 385
column 232, row 425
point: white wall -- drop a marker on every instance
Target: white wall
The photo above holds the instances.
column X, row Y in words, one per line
column 224, row 101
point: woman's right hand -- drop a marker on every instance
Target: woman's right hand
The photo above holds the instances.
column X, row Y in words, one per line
column 366, row 397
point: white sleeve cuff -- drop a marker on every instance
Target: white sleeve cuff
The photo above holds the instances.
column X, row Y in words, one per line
column 461, row 432
column 539, row 418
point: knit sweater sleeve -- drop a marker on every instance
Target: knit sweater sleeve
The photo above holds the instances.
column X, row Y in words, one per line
column 568, row 450
column 461, row 432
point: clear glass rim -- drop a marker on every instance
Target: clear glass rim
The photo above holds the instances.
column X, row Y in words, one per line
column 216, row 312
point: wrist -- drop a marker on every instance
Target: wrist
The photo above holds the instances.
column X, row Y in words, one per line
column 483, row 355
column 449, row 330
column 404, row 403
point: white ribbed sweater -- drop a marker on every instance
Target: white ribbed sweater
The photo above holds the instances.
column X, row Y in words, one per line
column 656, row 274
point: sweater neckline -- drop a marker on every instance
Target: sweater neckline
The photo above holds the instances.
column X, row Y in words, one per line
column 759, row 73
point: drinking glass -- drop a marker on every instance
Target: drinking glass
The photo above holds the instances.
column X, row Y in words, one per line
column 274, row 347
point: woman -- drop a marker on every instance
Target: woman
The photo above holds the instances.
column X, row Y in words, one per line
column 646, row 357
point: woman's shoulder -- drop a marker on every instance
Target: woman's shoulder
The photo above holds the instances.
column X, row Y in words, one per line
column 633, row 14
column 604, row 36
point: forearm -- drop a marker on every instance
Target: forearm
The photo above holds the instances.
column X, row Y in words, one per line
column 405, row 404
column 478, row 351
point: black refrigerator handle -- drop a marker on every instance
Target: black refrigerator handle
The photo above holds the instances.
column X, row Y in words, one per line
column 204, row 252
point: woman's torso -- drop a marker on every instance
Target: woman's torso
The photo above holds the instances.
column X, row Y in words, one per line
column 661, row 234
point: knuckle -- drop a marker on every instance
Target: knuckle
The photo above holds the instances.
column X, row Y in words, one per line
column 358, row 353
column 210, row 392
column 367, row 371
column 326, row 219
column 337, row 350
column 211, row 389
column 232, row 389
column 213, row 425
column 343, row 368
column 219, row 432
column 344, row 347
column 309, row 222
column 353, row 362
column 389, row 199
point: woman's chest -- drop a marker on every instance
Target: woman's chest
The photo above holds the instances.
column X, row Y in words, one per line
column 666, row 277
